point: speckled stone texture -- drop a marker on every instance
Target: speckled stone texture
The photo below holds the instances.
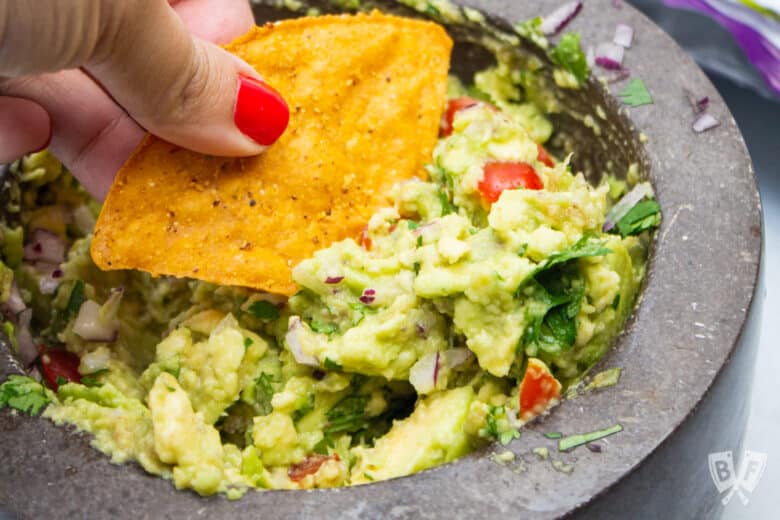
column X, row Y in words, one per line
column 687, row 354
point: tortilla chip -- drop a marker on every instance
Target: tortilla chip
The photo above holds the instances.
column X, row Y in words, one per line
column 365, row 93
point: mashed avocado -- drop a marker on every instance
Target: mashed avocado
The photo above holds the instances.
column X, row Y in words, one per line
column 401, row 351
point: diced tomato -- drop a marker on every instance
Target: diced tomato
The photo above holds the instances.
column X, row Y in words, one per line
column 500, row 176
column 60, row 364
column 538, row 390
column 309, row 466
column 453, row 106
column 544, row 157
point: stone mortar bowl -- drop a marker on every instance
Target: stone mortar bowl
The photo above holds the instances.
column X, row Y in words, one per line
column 687, row 354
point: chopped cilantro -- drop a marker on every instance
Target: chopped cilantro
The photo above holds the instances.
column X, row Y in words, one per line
column 419, row 241
column 636, row 94
column 307, row 407
column 522, row 249
column 411, row 224
column 75, row 299
column 264, row 391
column 416, row 267
column 323, row 328
column 571, row 442
column 24, row 394
column 586, row 246
column 329, row 364
column 553, row 435
column 446, row 205
column 61, row 381
column 643, row 216
column 360, row 310
column 497, row 426
column 322, row 446
column 91, row 378
column 568, row 54
column 348, row 415
column 616, row 301
column 264, row 310
column 248, row 342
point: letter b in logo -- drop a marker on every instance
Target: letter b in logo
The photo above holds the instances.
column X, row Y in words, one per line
column 723, row 470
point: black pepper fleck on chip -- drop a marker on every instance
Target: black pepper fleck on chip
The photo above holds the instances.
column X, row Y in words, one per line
column 252, row 202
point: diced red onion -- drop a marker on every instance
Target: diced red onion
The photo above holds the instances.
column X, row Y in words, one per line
column 620, row 75
column 27, row 350
column 91, row 326
column 609, row 56
column 368, row 296
column 629, row 200
column 45, row 246
column 704, row 122
column 624, row 35
column 698, row 104
column 15, row 304
column 456, row 357
column 424, row 374
column 110, row 309
column 333, row 279
column 554, row 22
column 294, row 330
column 49, row 278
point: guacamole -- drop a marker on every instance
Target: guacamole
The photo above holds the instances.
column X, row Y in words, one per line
column 462, row 312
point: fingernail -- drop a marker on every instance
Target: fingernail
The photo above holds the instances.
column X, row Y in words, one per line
column 260, row 112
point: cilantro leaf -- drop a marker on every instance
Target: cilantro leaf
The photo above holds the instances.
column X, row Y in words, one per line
column 307, row 407
column 264, row 392
column 636, row 94
column 643, row 216
column 329, row 364
column 586, row 246
column 91, row 379
column 24, row 394
column 323, row 327
column 325, row 443
column 348, row 415
column 568, row 443
column 75, row 299
column 248, row 342
column 446, row 205
column 568, row 54
column 264, row 310
column 553, row 435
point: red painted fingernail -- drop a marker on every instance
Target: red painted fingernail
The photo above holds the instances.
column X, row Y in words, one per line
column 260, row 112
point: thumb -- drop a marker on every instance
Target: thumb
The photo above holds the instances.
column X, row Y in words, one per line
column 178, row 87
column 181, row 88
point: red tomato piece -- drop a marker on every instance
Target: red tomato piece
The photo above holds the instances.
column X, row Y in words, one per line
column 309, row 466
column 538, row 390
column 544, row 157
column 500, row 176
column 455, row 105
column 59, row 363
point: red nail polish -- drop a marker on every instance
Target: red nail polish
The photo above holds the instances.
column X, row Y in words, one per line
column 260, row 112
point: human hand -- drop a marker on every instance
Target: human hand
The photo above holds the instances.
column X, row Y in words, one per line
column 86, row 77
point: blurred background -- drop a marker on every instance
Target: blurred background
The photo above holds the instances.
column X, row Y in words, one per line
column 737, row 42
